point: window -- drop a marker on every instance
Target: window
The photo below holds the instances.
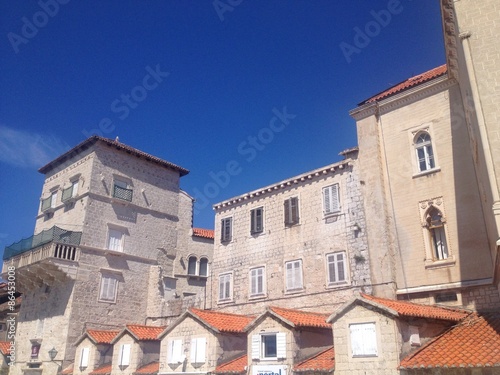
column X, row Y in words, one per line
column 125, row 355
column 423, row 149
column 197, row 267
column 175, row 351
column 363, row 339
column 198, row 349
column 225, row 287
column 169, row 287
column 115, row 239
column 269, row 346
column 108, row 289
column 226, row 229
column 70, row 192
column 337, row 272
column 291, row 211
column 293, row 275
column 257, row 278
column 331, row 199
column 48, row 204
column 257, row 220
column 84, row 359
column 435, row 225
column 121, row 190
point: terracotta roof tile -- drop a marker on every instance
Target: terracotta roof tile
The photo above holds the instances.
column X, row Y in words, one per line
column 102, row 337
column 236, row 366
column 117, row 145
column 419, row 311
column 5, row 347
column 409, row 83
column 205, row 233
column 142, row 332
column 323, row 361
column 224, row 322
column 302, row 318
column 474, row 342
column 102, row 370
column 149, row 369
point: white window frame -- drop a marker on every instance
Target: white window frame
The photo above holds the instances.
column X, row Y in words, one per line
column 332, row 259
column 84, row 357
column 197, row 265
column 426, row 147
column 294, row 278
column 226, row 293
column 198, row 350
column 174, row 355
column 125, row 354
column 226, row 229
column 259, row 346
column 257, row 220
column 331, row 199
column 363, row 338
column 108, row 288
column 114, row 243
column 53, row 199
column 254, row 275
column 291, row 211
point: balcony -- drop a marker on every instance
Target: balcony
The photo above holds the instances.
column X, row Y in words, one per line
column 45, row 258
column 46, row 204
column 122, row 193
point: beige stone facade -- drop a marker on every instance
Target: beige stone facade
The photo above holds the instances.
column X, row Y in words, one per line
column 298, row 243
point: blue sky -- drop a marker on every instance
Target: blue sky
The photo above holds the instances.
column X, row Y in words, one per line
column 262, row 88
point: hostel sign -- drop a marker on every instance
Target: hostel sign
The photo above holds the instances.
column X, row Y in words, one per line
column 269, row 370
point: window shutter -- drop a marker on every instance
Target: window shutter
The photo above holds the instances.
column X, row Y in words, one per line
column 198, row 347
column 255, row 346
column 340, row 267
column 193, row 350
column 125, row 355
column 75, row 189
column 175, row 351
column 327, row 199
column 53, row 200
column 297, row 277
column 84, row 361
column 356, row 340
column 281, row 345
column 289, row 275
column 294, row 207
column 288, row 220
column 115, row 240
column 331, row 199
column 370, row 339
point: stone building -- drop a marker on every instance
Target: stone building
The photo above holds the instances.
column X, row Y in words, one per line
column 299, row 242
column 112, row 247
column 93, row 351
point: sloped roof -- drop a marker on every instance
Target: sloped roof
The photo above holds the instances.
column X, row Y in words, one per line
column 474, row 342
column 102, row 370
column 144, row 333
column 5, row 347
column 101, row 336
column 205, row 233
column 117, row 145
column 324, row 361
column 408, row 83
column 223, row 322
column 298, row 318
column 409, row 309
column 235, row 366
column 149, row 369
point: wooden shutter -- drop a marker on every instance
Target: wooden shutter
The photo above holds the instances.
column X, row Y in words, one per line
column 294, row 207
column 281, row 345
column 331, row 199
column 125, row 355
column 287, row 205
column 175, row 351
column 84, row 360
column 115, row 240
column 363, row 339
column 256, row 346
column 198, row 349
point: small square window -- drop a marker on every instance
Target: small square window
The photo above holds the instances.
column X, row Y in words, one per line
column 257, row 220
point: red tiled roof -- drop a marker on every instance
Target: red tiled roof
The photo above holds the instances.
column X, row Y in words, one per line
column 419, row 311
column 205, row 233
column 410, row 82
column 474, row 342
column 102, row 337
column 149, row 369
column 112, row 143
column 302, row 318
column 68, row 370
column 5, row 347
column 102, row 370
column 323, row 361
column 143, row 333
column 223, row 322
column 236, row 366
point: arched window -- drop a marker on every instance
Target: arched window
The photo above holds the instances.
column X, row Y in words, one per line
column 425, row 155
column 203, row 267
column 435, row 224
column 192, row 265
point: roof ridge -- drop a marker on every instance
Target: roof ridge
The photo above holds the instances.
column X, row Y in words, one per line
column 455, row 309
column 192, row 309
column 299, row 311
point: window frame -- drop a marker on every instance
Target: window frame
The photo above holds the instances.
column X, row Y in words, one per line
column 198, row 262
column 199, row 344
column 84, row 357
column 228, row 287
column 368, row 343
column 294, row 288
column 258, row 293
column 114, row 288
column 427, row 149
column 121, row 246
column 331, row 195
column 124, row 184
column 335, row 263
column 258, row 346
column 125, row 354
column 291, row 211
column 256, row 218
column 226, row 229
column 174, row 354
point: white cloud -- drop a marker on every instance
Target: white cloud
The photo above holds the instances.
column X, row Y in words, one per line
column 28, row 149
